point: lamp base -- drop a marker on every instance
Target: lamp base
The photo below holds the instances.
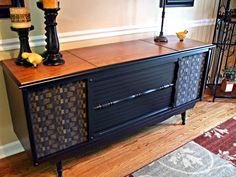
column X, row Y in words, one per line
column 160, row 38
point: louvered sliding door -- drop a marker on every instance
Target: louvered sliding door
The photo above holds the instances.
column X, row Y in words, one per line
column 131, row 95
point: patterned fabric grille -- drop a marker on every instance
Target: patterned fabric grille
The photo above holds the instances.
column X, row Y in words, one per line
column 190, row 75
column 59, row 117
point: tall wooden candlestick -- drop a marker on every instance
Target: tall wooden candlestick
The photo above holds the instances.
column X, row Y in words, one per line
column 52, row 55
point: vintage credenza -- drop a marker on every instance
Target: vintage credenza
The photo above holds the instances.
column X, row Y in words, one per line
column 103, row 92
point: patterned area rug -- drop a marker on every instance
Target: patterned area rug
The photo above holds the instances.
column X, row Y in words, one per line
column 212, row 154
column 221, row 140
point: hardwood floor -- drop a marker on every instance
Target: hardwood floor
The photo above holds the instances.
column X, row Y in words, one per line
column 130, row 154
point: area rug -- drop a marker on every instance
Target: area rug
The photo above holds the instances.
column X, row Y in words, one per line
column 212, row 154
column 221, row 140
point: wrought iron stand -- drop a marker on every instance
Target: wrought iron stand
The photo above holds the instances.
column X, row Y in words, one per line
column 224, row 56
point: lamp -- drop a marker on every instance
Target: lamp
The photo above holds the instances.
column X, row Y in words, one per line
column 161, row 37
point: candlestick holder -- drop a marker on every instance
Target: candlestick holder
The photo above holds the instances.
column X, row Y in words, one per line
column 52, row 55
column 24, row 44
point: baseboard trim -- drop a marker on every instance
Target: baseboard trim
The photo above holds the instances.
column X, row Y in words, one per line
column 173, row 26
column 10, row 149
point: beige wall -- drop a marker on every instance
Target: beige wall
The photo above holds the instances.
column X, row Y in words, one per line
column 233, row 4
column 79, row 15
column 6, row 131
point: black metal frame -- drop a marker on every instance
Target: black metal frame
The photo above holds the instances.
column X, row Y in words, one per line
column 225, row 39
column 178, row 3
column 4, row 10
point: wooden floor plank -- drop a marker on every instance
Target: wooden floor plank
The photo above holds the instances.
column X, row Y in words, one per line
column 132, row 153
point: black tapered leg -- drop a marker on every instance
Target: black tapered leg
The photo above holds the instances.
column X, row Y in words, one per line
column 183, row 116
column 59, row 168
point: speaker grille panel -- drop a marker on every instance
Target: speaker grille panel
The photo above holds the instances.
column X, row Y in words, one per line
column 190, row 75
column 59, row 117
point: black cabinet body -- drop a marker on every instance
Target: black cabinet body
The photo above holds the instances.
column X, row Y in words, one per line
column 73, row 113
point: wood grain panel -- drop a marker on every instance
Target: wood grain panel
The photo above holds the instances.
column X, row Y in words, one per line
column 5, row 2
column 174, row 43
column 26, row 75
column 126, row 156
column 115, row 53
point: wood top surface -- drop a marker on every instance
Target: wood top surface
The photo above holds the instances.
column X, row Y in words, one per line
column 115, row 53
column 85, row 59
column 174, row 43
column 27, row 75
